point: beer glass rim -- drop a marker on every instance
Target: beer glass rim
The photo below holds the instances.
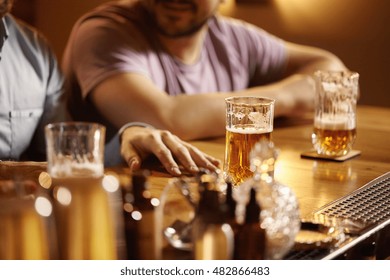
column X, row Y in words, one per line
column 73, row 124
column 249, row 100
column 347, row 73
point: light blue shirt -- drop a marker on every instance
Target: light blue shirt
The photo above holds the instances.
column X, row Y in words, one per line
column 32, row 94
column 31, row 87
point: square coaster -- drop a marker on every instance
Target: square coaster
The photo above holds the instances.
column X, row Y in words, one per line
column 313, row 155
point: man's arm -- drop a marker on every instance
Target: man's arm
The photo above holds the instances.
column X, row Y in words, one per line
column 306, row 60
column 133, row 97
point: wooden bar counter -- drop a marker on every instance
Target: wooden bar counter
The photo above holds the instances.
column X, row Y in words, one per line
column 315, row 182
column 318, row 182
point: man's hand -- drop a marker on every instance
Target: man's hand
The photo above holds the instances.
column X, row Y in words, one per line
column 139, row 142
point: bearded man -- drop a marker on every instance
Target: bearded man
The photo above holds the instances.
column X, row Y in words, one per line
column 172, row 63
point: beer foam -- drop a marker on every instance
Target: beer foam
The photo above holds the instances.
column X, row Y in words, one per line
column 249, row 130
column 335, row 123
column 74, row 169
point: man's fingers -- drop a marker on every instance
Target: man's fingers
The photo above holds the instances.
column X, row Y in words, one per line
column 189, row 156
column 130, row 155
column 168, row 148
column 202, row 159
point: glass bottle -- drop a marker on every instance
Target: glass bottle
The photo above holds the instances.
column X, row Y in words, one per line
column 230, row 203
column 280, row 212
column 251, row 240
column 231, row 206
column 177, row 211
column 212, row 236
column 139, row 213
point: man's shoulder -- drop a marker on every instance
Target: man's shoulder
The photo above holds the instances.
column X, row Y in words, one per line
column 119, row 22
column 25, row 34
column 118, row 13
column 237, row 32
column 227, row 25
column 16, row 25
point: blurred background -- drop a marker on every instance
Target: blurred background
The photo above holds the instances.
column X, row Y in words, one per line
column 358, row 31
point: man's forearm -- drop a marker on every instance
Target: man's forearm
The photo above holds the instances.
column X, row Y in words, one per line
column 204, row 115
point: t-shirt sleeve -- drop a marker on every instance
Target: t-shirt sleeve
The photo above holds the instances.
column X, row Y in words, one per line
column 100, row 49
column 263, row 53
column 270, row 54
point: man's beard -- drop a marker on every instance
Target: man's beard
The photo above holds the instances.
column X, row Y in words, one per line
column 5, row 7
column 180, row 33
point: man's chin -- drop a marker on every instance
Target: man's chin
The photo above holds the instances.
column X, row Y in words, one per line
column 174, row 33
column 178, row 32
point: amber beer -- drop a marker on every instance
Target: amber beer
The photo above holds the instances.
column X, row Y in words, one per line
column 26, row 219
column 334, row 129
column 23, row 232
column 84, row 219
column 333, row 137
column 86, row 216
column 239, row 143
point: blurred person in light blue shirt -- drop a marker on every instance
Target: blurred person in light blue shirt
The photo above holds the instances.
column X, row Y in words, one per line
column 32, row 95
column 31, row 88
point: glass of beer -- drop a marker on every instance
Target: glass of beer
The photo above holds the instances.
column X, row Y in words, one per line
column 335, row 112
column 248, row 120
column 81, row 191
column 27, row 229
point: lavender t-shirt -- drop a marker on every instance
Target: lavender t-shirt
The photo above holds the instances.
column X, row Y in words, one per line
column 117, row 38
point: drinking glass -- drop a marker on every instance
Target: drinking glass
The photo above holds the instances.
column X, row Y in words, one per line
column 248, row 120
column 335, row 112
column 27, row 229
column 84, row 213
column 177, row 210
